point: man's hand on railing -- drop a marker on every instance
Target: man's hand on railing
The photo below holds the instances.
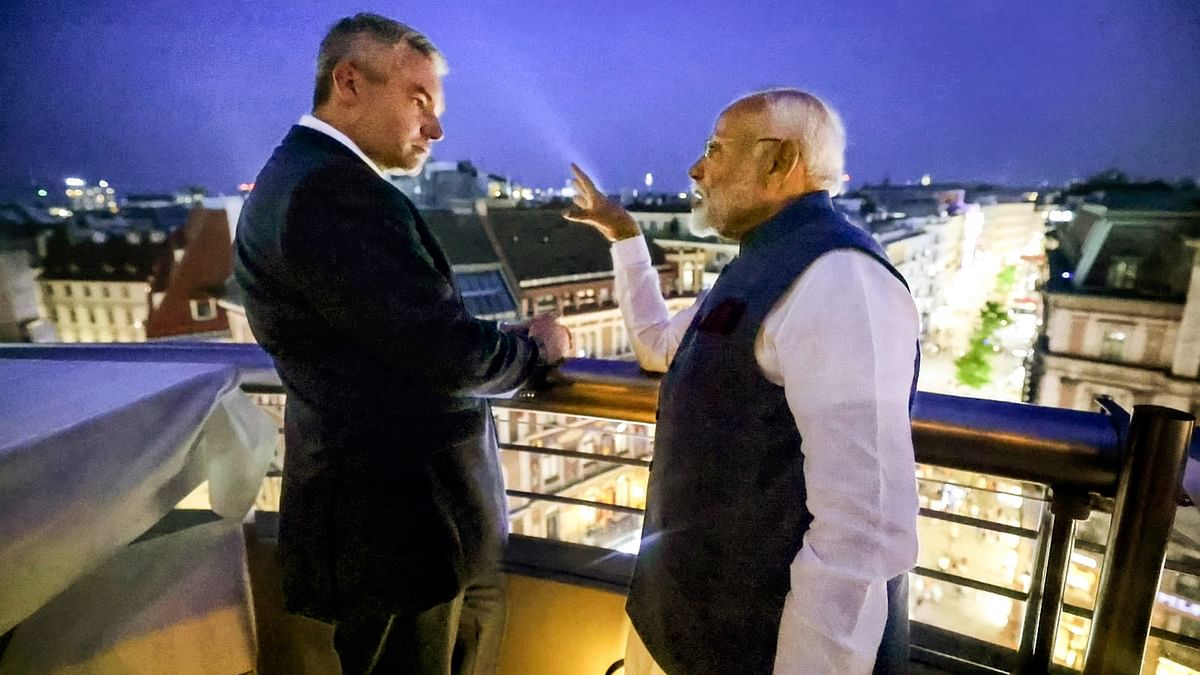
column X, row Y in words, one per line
column 554, row 340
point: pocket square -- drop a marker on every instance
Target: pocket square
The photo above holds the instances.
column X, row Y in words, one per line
column 724, row 317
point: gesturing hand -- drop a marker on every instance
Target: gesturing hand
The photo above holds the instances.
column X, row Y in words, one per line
column 602, row 213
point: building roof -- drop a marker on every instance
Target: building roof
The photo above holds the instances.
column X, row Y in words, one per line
column 533, row 243
column 540, row 244
column 98, row 255
column 1142, row 200
column 198, row 275
column 462, row 237
column 1124, row 256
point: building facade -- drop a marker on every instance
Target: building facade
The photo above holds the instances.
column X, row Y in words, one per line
column 135, row 284
column 1122, row 310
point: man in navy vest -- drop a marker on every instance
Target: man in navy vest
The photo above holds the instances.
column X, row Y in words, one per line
column 781, row 510
column 393, row 516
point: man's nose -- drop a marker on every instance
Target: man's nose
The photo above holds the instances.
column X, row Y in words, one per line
column 433, row 129
column 697, row 170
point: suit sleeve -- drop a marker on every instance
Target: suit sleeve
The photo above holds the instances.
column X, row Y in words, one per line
column 352, row 246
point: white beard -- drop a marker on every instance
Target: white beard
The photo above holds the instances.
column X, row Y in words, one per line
column 699, row 224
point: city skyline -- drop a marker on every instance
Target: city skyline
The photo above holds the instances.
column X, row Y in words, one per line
column 150, row 98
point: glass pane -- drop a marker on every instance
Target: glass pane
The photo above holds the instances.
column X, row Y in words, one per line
column 1002, row 502
column 1167, row 658
column 1178, row 604
column 570, row 432
column 592, row 526
column 1083, row 576
column 981, row 481
column 1070, row 645
column 1162, row 657
column 976, row 553
column 966, row 611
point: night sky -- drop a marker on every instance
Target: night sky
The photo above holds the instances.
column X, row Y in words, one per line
column 154, row 95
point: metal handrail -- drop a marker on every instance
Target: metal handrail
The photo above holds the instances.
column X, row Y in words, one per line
column 1076, row 453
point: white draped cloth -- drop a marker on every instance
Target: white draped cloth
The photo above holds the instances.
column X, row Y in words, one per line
column 94, row 453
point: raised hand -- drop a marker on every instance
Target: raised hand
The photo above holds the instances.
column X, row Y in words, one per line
column 602, row 213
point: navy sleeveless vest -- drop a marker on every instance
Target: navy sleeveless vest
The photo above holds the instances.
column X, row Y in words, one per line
column 726, row 507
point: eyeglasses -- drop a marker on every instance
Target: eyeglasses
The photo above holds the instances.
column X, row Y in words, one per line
column 712, row 145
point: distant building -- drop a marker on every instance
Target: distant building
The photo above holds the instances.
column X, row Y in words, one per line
column 914, row 251
column 444, row 185
column 1011, row 230
column 1122, row 307
column 123, row 283
column 21, row 231
column 84, row 196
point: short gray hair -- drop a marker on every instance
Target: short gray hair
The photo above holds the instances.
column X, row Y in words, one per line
column 799, row 115
column 346, row 38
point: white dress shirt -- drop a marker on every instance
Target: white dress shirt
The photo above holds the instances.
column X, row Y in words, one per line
column 333, row 132
column 841, row 342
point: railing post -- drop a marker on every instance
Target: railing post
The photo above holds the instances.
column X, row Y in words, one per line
column 1053, row 560
column 1143, row 513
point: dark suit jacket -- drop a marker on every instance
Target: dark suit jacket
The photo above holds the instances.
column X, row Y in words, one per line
column 392, row 493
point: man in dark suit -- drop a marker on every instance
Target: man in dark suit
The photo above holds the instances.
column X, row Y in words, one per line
column 393, row 513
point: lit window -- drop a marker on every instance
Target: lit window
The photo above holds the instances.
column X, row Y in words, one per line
column 1113, row 347
column 1123, row 272
column 550, row 465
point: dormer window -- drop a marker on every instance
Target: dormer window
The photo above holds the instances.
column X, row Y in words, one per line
column 204, row 309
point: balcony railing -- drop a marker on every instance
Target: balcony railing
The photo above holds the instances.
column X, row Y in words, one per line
column 1011, row 481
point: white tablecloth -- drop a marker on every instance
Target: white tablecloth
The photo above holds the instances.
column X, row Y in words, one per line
column 94, row 453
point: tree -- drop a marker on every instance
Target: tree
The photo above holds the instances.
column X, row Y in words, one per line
column 974, row 369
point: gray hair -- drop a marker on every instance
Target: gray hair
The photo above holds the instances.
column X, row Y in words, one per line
column 352, row 36
column 796, row 114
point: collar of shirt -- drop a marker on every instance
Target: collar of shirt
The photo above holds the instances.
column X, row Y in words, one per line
column 331, row 131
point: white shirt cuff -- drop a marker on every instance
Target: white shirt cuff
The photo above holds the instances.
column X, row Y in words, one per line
column 630, row 252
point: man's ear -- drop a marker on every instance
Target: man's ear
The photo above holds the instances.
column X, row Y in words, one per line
column 785, row 160
column 347, row 82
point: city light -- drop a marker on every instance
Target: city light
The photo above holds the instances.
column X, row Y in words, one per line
column 103, row 183
column 1060, row 216
column 75, row 182
column 1066, row 275
column 42, row 193
column 649, row 180
column 683, row 195
column 926, row 180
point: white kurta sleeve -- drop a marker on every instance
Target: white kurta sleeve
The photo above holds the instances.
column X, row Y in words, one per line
column 842, row 343
column 653, row 333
